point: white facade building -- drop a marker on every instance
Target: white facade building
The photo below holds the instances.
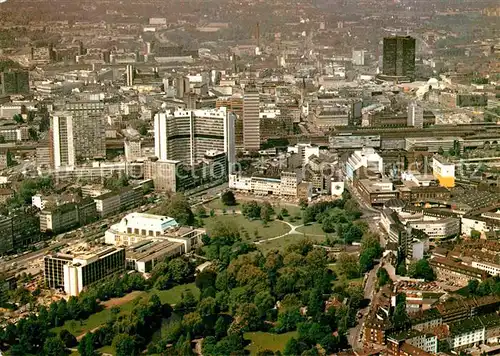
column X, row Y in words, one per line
column 490, row 268
column 305, row 150
column 186, row 135
column 367, row 158
column 135, row 227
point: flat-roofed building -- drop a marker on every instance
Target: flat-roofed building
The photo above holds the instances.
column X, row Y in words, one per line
column 143, row 256
column 138, row 227
column 458, row 273
column 444, row 171
column 81, row 270
column 490, row 268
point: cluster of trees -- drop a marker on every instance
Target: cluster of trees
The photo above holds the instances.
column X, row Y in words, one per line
column 400, row 319
column 166, row 275
column 247, row 291
column 337, row 217
column 254, row 211
column 383, row 277
column 116, row 181
column 489, row 286
column 129, row 334
column 352, row 267
column 30, row 187
column 421, row 269
column 178, row 208
column 32, row 335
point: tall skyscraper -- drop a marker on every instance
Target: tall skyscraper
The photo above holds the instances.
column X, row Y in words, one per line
column 129, row 73
column 415, row 116
column 14, row 82
column 399, row 57
column 251, row 120
column 61, row 141
column 186, row 135
column 74, row 139
column 230, row 141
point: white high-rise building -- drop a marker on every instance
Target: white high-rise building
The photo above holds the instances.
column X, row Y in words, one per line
column 415, row 116
column 186, row 135
column 251, row 119
column 230, row 141
column 358, row 57
column 130, row 75
column 62, row 148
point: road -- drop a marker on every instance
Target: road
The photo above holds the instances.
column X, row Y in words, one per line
column 24, row 260
column 355, row 332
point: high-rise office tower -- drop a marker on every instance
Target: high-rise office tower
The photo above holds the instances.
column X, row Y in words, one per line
column 15, row 82
column 415, row 116
column 74, row 139
column 230, row 141
column 186, row 135
column 61, row 141
column 130, row 75
column 251, row 120
column 399, row 57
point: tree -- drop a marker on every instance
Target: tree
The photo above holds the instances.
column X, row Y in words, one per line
column 474, row 234
column 68, row 338
column 201, row 212
column 472, row 286
column 400, row 319
column 383, row 277
column 205, row 279
column 353, row 233
column 178, row 208
column 293, row 347
column 251, row 210
column 315, row 305
column 284, row 212
column 421, row 269
column 124, row 345
column 87, row 345
column 180, row 270
column 33, row 134
column 266, row 211
column 228, row 198
column 54, row 347
column 348, row 265
column 18, row 119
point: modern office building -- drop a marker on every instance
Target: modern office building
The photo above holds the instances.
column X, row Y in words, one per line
column 14, row 82
column 129, row 74
column 415, row 116
column 186, row 135
column 67, row 216
column 74, row 272
column 366, row 158
column 73, row 139
column 18, row 231
column 399, row 58
column 251, row 119
column 121, row 200
column 143, row 256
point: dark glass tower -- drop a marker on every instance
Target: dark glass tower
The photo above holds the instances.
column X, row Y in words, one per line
column 399, row 57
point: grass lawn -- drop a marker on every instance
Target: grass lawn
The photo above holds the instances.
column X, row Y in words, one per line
column 283, row 242
column 293, row 210
column 170, row 296
column 218, row 204
column 273, row 228
column 267, row 341
column 313, row 229
column 173, row 295
column 108, row 349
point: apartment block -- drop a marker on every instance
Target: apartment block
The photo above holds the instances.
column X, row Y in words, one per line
column 114, row 202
